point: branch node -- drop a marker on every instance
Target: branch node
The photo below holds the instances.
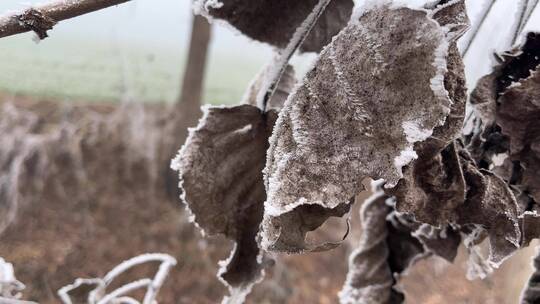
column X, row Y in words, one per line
column 36, row 21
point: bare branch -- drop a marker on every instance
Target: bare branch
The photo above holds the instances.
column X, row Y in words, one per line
column 528, row 13
column 43, row 17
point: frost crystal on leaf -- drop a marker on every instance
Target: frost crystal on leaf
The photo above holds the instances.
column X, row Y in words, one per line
column 343, row 123
column 370, row 278
column 507, row 109
column 220, row 168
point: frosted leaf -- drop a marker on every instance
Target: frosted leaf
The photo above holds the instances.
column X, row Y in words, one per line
column 432, row 189
column 370, row 278
column 275, row 21
column 296, row 224
column 340, row 126
column 506, row 102
column 433, row 185
column 443, row 242
column 453, row 15
column 220, row 168
column 518, row 114
column 390, row 243
column 284, row 88
column 531, row 293
column 491, row 205
column 530, row 226
column 404, row 248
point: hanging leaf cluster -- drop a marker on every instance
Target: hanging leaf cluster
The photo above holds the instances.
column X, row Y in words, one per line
column 384, row 100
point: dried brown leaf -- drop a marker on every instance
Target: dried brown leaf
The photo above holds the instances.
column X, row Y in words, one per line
column 491, row 205
column 358, row 114
column 275, row 21
column 370, row 278
column 531, row 293
column 220, row 169
column 518, row 115
column 297, row 223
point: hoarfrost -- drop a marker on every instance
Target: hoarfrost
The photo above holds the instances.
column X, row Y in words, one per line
column 330, row 135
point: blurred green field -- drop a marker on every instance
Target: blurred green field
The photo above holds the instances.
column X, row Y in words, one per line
column 75, row 69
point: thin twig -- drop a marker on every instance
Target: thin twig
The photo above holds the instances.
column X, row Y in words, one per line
column 474, row 31
column 528, row 14
column 41, row 18
column 518, row 23
column 285, row 55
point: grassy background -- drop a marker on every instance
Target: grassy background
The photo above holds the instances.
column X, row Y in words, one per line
column 74, row 69
column 137, row 51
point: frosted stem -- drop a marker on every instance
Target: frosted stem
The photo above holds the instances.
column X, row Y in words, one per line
column 468, row 40
column 528, row 13
column 283, row 57
column 41, row 18
column 519, row 22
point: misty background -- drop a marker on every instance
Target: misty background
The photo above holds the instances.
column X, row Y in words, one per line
column 137, row 51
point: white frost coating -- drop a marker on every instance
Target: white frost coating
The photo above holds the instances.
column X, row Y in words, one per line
column 176, row 162
column 99, row 294
column 368, row 5
column 403, row 159
column 238, row 295
column 477, row 267
column 10, row 287
column 201, row 7
column 369, row 279
column 414, row 132
column 498, row 159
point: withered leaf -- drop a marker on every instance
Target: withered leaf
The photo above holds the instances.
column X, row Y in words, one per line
column 491, row 205
column 518, row 115
column 432, row 189
column 390, row 246
column 220, row 168
column 370, row 278
column 414, row 241
column 433, row 185
column 530, row 227
column 275, row 21
column 358, row 114
column 506, row 102
column 531, row 293
column 297, row 224
column 404, row 248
